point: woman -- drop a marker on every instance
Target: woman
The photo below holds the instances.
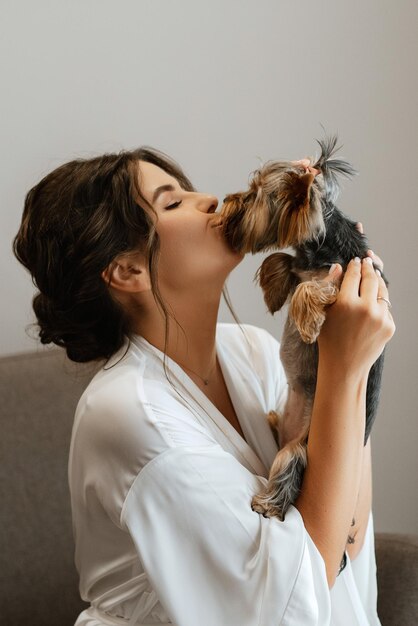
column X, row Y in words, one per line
column 170, row 439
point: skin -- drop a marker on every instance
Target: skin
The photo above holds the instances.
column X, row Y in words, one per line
column 194, row 264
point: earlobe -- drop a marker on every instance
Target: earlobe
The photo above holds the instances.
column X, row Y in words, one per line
column 128, row 275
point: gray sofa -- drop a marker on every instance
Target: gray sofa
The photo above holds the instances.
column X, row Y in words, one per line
column 38, row 580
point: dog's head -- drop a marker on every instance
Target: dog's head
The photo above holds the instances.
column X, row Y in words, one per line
column 286, row 203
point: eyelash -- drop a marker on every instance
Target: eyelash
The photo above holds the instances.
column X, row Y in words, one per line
column 174, row 205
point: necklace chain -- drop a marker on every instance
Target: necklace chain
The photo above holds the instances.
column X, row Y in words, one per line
column 205, row 380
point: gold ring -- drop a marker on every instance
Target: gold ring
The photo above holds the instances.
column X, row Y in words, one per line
column 388, row 303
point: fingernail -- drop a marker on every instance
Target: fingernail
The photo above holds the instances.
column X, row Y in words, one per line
column 368, row 260
column 370, row 252
column 356, row 259
column 332, row 268
column 378, row 272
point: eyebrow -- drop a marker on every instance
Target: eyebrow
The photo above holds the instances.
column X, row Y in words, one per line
column 161, row 190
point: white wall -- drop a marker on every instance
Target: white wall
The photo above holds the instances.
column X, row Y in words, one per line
column 219, row 85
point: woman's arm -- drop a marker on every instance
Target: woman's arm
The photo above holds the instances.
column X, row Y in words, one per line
column 332, row 477
column 353, row 336
column 364, row 503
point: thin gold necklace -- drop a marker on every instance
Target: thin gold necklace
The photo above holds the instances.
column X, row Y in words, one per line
column 205, row 380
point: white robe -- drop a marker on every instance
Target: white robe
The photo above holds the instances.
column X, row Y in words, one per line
column 161, row 490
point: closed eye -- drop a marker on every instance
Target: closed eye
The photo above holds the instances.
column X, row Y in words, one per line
column 174, row 205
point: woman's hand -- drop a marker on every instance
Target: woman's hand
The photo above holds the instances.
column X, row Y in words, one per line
column 358, row 325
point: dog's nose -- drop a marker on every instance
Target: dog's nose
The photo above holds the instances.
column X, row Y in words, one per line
column 306, row 163
column 314, row 170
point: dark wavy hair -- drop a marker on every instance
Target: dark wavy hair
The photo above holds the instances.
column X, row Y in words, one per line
column 75, row 222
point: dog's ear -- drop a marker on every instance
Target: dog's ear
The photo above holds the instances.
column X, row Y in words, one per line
column 276, row 280
column 295, row 197
column 307, row 307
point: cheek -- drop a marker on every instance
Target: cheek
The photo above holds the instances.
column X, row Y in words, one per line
column 184, row 249
column 180, row 238
column 191, row 252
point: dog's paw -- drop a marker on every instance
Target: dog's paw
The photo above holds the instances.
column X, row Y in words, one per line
column 261, row 505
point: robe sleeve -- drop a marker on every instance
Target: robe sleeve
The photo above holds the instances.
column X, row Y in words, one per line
column 213, row 560
column 364, row 573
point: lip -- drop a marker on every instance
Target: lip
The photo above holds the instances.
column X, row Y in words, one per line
column 306, row 165
column 215, row 219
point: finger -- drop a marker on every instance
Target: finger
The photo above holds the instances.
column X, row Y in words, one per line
column 334, row 273
column 376, row 259
column 359, row 227
column 369, row 281
column 351, row 281
column 383, row 293
column 382, row 288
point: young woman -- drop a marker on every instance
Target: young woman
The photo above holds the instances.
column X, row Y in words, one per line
column 170, row 440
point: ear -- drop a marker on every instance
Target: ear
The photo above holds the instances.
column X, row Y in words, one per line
column 127, row 273
column 307, row 307
column 277, row 280
column 295, row 224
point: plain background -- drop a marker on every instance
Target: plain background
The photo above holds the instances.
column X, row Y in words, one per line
column 222, row 86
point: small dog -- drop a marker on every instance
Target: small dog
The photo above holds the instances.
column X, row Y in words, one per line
column 288, row 205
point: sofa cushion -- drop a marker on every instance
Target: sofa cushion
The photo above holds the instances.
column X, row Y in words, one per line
column 38, row 580
column 397, row 577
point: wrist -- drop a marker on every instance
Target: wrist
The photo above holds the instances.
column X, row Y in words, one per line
column 338, row 374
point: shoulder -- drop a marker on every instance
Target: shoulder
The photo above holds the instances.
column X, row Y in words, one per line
column 111, row 416
column 127, row 416
column 249, row 341
column 114, row 387
column 129, row 413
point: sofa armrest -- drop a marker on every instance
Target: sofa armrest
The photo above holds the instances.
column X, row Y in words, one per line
column 397, row 578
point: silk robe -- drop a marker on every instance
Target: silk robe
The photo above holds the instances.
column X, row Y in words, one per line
column 161, row 487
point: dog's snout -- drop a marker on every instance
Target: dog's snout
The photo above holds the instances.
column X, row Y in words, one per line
column 314, row 170
column 306, row 166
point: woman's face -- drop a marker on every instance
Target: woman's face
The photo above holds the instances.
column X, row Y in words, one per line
column 193, row 255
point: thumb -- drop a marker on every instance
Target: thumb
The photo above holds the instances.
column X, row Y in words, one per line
column 335, row 271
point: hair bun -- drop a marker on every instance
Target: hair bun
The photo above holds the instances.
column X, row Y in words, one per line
column 48, row 320
column 81, row 341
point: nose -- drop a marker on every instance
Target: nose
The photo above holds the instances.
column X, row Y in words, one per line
column 206, row 203
column 306, row 163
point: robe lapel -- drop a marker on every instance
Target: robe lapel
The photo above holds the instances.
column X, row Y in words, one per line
column 221, row 429
column 249, row 400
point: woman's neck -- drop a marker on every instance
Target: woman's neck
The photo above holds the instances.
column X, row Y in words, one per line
column 195, row 348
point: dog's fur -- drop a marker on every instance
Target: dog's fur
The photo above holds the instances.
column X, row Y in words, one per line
column 287, row 206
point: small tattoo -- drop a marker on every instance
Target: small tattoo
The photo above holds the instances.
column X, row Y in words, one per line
column 351, row 538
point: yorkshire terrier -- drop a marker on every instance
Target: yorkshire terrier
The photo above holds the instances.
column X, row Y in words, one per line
column 288, row 205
